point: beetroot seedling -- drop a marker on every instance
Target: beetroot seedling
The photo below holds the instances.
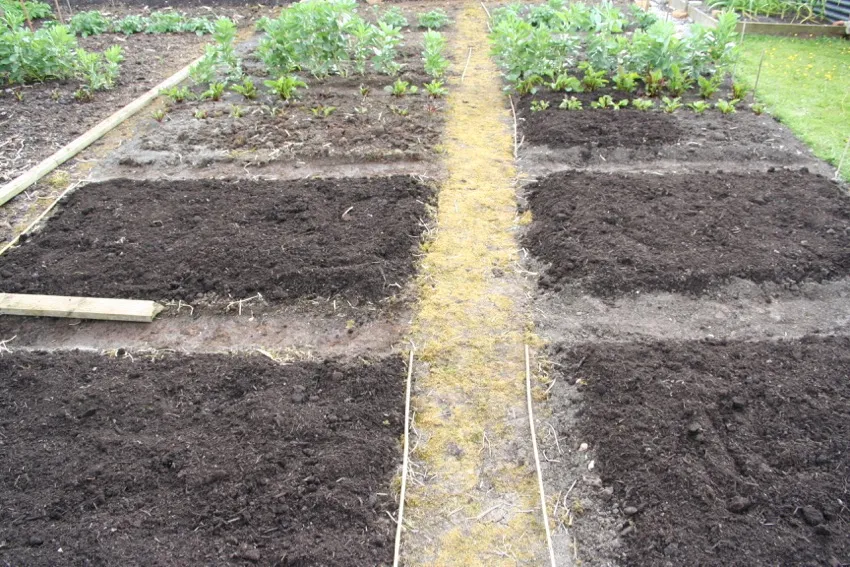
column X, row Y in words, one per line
column 671, row 105
column 726, row 106
column 708, row 86
column 236, row 111
column 201, row 114
column 539, row 105
column 653, row 82
column 178, row 94
column 758, row 108
column 401, row 88
column 570, row 103
column 699, row 106
column 739, row 91
column 322, row 111
column 566, row 83
column 529, row 84
column 247, row 89
column 643, row 104
column 159, row 114
column 285, row 87
column 436, row 89
column 592, row 79
column 626, row 82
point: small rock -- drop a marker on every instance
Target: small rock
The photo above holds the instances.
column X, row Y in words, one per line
column 35, row 541
column 607, row 492
column 671, row 549
column 740, row 504
column 812, row 515
column 297, row 398
column 591, row 465
column 738, row 403
column 694, row 428
column 583, row 447
column 630, row 510
column 250, row 553
column 823, row 530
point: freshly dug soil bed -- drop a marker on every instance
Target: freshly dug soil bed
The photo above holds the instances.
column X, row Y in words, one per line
column 603, row 138
column 618, row 233
column 717, row 454
column 49, row 117
column 207, row 460
column 209, row 240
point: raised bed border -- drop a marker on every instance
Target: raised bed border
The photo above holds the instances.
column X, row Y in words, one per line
column 699, row 15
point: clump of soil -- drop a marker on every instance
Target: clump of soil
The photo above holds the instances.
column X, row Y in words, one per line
column 617, row 233
column 720, row 454
column 212, row 239
column 207, row 459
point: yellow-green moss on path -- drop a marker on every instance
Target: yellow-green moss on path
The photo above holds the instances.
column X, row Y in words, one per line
column 471, row 497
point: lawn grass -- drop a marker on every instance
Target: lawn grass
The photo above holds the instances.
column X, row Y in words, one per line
column 806, row 84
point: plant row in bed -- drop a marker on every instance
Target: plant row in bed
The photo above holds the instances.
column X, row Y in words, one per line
column 667, row 104
column 548, row 45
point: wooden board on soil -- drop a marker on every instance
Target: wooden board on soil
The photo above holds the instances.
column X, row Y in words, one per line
column 712, row 453
column 197, row 460
column 214, row 242
column 612, row 234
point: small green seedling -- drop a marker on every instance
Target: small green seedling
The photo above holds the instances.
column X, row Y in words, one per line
column 643, row 104
column 399, row 110
column 247, row 89
column 626, row 82
column 201, row 114
column 678, row 82
column 653, row 82
column 322, row 111
column 726, row 106
column 364, row 91
column 566, row 83
column 178, row 94
column 699, row 106
column 570, row 103
column 606, row 101
column 436, row 89
column 285, row 87
column 592, row 79
column 401, row 88
column 159, row 114
column 671, row 105
column 236, row 111
column 434, row 20
column 739, row 91
column 214, row 92
column 83, row 95
column 708, row 86
column 539, row 105
column 758, row 108
column 529, row 84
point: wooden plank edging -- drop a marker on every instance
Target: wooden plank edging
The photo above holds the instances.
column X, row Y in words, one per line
column 133, row 310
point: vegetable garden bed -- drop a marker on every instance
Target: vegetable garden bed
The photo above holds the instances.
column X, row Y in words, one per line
column 215, row 459
column 210, row 242
column 617, row 233
column 709, row 453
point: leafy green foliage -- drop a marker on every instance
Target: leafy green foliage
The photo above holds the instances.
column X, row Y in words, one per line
column 434, row 19
column 435, row 89
column 178, row 94
column 626, row 81
column 88, row 23
column 432, row 54
column 739, row 91
column 571, row 103
column 795, row 10
column 678, row 82
column 328, row 37
column 529, row 84
column 699, row 106
column 592, row 79
column 671, row 105
column 130, row 25
column 401, row 88
column 246, row 89
column 219, row 60
column 708, row 86
column 214, row 92
column 393, row 16
column 322, row 111
column 606, row 101
column 35, row 10
column 285, row 87
column 758, row 108
column 643, row 104
column 566, row 83
column 726, row 106
column 539, row 105
column 653, row 82
column 164, row 22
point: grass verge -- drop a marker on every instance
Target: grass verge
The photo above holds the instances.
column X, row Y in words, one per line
column 806, row 84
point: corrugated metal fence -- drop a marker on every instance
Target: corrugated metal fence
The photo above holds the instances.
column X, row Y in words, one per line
column 838, row 10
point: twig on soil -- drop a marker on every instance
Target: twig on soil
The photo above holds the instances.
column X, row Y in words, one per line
column 404, row 464
column 3, row 347
column 468, row 57
column 181, row 305
column 536, row 455
column 241, row 301
column 513, row 113
column 552, row 385
column 570, row 490
column 486, row 11
column 841, row 161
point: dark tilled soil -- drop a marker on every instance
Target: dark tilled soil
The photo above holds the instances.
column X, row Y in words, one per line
column 211, row 240
column 196, row 460
column 617, row 233
column 49, row 117
column 720, row 454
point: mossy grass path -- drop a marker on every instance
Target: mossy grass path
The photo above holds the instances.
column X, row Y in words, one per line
column 472, row 496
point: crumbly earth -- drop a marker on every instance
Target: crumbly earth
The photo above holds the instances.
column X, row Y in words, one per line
column 220, row 240
column 617, row 233
column 203, row 459
column 710, row 453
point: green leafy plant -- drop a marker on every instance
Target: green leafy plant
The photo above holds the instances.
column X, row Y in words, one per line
column 758, row 108
column 539, row 105
column 246, row 89
column 435, row 89
column 178, row 94
column 164, row 22
column 365, row 90
column 88, row 23
column 570, row 103
column 219, row 60
column 739, row 91
column 678, row 82
column 322, row 111
column 159, row 114
column 286, row 87
column 198, row 26
column 434, row 19
column 671, row 105
column 566, row 83
column 214, row 92
column 200, row 114
column 606, row 101
column 529, row 84
column 401, row 111
column 653, row 82
column 394, row 17
column 435, row 62
column 626, row 81
column 708, row 86
column 99, row 71
column 643, row 104
column 699, row 106
column 726, row 106
column 401, row 88
column 35, row 10
column 592, row 79
column 236, row 111
column 129, row 25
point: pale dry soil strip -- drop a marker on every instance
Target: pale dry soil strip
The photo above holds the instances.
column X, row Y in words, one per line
column 472, row 497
